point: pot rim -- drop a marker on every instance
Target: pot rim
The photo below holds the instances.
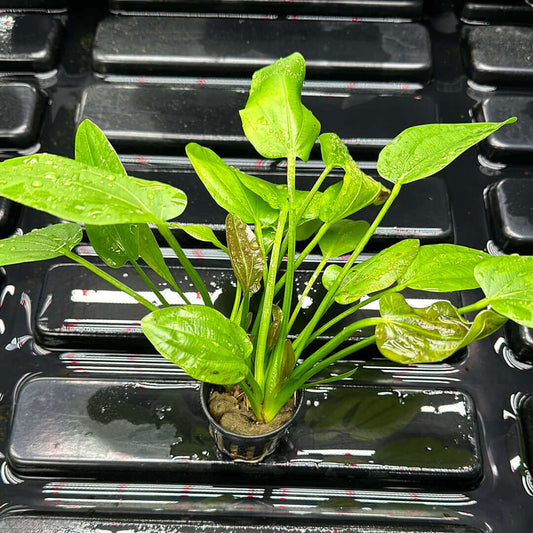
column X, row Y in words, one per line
column 206, row 387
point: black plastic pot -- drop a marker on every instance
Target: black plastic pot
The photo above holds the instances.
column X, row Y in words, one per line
column 245, row 448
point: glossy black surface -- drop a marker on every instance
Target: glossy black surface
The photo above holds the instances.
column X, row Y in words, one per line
column 28, row 524
column 161, row 119
column 505, row 147
column 21, row 108
column 526, row 419
column 498, row 11
column 28, row 42
column 425, row 438
column 499, row 55
column 215, row 46
column 356, row 8
column 510, row 204
column 406, row 489
column 78, row 310
column 48, row 5
column 521, row 342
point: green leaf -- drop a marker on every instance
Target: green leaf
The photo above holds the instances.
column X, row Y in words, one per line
column 443, row 268
column 485, row 323
column 40, row 244
column 273, row 194
column 507, row 282
column 357, row 190
column 152, row 255
column 280, row 368
column 93, row 148
column 74, row 191
column 408, row 335
column 201, row 341
column 313, row 208
column 116, row 244
column 276, row 196
column 201, row 233
column 422, row 151
column 274, row 119
column 269, row 234
column 342, row 237
column 334, row 151
column 245, row 254
column 223, row 183
column 374, row 274
column 307, row 229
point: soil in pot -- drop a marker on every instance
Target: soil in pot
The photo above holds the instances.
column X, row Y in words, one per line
column 231, row 411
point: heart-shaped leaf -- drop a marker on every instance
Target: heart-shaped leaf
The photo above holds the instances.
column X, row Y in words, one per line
column 74, row 191
column 201, row 341
column 422, row 151
column 507, row 282
column 40, row 244
column 374, row 274
column 443, row 268
column 274, row 119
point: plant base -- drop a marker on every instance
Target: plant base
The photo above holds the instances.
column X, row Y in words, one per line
column 261, row 440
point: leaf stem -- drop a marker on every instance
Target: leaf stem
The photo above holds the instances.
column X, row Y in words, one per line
column 149, row 282
column 276, row 358
column 351, row 310
column 243, row 311
column 259, row 237
column 185, row 263
column 306, row 290
column 266, row 307
column 290, row 386
column 305, row 252
column 312, row 192
column 236, row 302
column 302, row 340
column 338, row 355
column 110, row 279
column 291, row 252
column 478, row 306
column 253, row 398
column 335, row 341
